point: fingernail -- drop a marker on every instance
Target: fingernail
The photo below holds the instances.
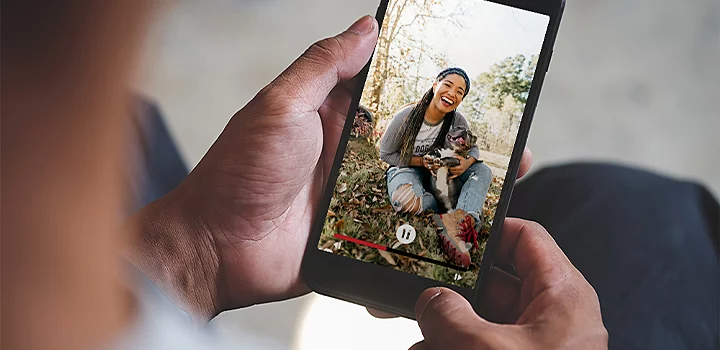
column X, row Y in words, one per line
column 437, row 294
column 363, row 26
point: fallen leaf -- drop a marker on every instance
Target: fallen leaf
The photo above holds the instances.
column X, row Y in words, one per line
column 342, row 188
column 339, row 225
column 385, row 209
column 388, row 257
column 328, row 244
column 357, row 220
column 396, row 245
column 331, row 214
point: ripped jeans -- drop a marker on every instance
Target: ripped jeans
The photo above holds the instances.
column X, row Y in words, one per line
column 411, row 183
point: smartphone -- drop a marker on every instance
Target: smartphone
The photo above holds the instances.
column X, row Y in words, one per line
column 430, row 150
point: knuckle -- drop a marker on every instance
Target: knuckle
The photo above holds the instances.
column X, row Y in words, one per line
column 536, row 226
column 444, row 306
column 326, row 51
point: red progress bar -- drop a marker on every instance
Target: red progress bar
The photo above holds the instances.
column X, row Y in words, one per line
column 400, row 252
column 358, row 241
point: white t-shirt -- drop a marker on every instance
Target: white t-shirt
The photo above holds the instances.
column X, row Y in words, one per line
column 160, row 325
column 391, row 141
column 426, row 137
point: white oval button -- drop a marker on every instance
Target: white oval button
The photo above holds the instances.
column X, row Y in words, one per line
column 406, row 234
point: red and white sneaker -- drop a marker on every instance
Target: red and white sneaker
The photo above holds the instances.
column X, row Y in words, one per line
column 457, row 236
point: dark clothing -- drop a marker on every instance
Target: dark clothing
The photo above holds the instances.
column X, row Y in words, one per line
column 647, row 244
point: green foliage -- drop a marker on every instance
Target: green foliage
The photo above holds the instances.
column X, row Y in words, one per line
column 510, row 77
column 497, row 101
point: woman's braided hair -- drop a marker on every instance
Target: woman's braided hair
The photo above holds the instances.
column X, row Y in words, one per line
column 415, row 119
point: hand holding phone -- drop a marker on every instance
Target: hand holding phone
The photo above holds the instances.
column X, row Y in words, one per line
column 549, row 304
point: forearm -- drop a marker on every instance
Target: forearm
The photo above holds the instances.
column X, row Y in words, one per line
column 172, row 251
column 391, row 158
column 474, row 153
column 417, row 161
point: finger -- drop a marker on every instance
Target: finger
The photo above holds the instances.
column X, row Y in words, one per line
column 500, row 298
column 537, row 259
column 310, row 79
column 421, row 345
column 334, row 108
column 447, row 320
column 525, row 163
column 380, row 314
column 333, row 114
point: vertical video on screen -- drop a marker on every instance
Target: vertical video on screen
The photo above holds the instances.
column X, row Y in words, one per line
column 432, row 138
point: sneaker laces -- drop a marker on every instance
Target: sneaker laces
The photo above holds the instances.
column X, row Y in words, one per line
column 468, row 232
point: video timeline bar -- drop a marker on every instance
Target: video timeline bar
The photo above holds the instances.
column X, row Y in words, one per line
column 400, row 252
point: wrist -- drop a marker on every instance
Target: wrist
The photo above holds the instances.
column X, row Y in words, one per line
column 178, row 255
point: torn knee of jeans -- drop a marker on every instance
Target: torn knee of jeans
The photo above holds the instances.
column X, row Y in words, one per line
column 405, row 200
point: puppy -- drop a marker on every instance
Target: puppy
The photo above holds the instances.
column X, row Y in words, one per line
column 445, row 190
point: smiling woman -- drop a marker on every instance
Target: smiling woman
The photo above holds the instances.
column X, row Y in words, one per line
column 422, row 129
column 415, row 132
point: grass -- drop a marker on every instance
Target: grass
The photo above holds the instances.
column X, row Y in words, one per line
column 360, row 208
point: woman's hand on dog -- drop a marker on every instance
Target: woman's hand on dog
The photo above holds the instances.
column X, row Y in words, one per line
column 430, row 165
column 465, row 163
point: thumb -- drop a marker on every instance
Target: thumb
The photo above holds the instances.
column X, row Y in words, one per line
column 309, row 79
column 448, row 321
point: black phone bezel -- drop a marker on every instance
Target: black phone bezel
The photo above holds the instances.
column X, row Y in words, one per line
column 395, row 291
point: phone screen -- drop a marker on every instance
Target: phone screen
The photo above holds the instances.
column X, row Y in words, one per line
column 432, row 138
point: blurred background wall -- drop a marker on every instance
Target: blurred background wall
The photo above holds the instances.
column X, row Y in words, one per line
column 631, row 81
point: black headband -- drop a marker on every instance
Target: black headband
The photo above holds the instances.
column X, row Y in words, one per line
column 458, row 71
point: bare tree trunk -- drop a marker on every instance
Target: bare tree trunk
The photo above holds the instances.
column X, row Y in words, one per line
column 382, row 70
column 387, row 36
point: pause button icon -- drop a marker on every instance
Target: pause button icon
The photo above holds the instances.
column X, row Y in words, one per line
column 406, row 234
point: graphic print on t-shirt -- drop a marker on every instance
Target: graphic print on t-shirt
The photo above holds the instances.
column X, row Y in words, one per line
column 425, row 138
